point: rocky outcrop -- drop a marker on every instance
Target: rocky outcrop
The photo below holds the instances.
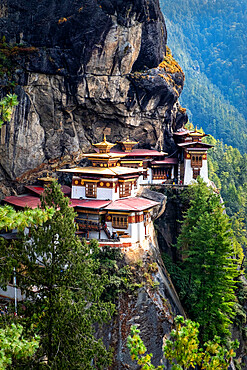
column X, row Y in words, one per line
column 93, row 66
column 152, row 308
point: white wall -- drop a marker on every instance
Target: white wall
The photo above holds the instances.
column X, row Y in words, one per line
column 188, row 171
column 95, row 234
column 10, row 293
column 149, row 178
column 78, row 192
column 204, row 171
column 102, row 193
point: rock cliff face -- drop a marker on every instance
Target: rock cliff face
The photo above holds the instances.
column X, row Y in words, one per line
column 151, row 308
column 94, row 65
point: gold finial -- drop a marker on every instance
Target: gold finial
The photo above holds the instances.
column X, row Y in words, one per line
column 196, row 129
column 104, row 140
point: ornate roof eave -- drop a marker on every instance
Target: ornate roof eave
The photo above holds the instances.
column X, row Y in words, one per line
column 193, row 143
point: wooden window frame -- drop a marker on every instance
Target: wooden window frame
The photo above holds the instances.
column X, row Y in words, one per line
column 91, row 189
column 125, row 189
column 196, row 160
column 120, row 221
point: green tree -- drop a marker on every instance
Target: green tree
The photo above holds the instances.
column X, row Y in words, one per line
column 138, row 349
column 11, row 219
column 183, row 349
column 60, row 278
column 12, row 344
column 206, row 242
column 6, row 108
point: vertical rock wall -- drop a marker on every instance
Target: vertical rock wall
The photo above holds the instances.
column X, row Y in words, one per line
column 93, row 65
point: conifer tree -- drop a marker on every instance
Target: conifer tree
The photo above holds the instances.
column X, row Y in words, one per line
column 206, row 242
column 63, row 288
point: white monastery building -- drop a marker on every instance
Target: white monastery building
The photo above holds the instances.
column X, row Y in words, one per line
column 105, row 194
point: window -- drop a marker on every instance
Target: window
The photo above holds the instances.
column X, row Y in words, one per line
column 91, row 190
column 120, row 222
column 124, row 189
column 196, row 161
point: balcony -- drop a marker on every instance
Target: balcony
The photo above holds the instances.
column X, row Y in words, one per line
column 88, row 224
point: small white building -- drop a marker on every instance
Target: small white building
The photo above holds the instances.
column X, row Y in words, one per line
column 192, row 156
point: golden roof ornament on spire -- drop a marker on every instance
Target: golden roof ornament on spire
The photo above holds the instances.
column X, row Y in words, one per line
column 104, row 146
column 196, row 133
column 127, row 145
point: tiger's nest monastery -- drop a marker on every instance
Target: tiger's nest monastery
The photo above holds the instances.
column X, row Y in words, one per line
column 105, row 194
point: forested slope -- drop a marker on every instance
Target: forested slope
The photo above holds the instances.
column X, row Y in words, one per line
column 208, row 39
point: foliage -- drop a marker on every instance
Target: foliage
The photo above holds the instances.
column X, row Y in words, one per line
column 6, row 108
column 11, row 219
column 120, row 279
column 12, row 56
column 228, row 169
column 183, row 349
column 208, row 40
column 169, row 64
column 207, row 246
column 138, row 349
column 12, row 344
column 60, row 279
column 180, row 279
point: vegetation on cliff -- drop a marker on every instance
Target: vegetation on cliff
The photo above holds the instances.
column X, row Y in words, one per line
column 6, row 108
column 183, row 349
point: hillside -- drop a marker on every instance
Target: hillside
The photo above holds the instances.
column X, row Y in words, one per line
column 208, row 39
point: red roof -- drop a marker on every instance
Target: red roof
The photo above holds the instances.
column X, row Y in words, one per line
column 30, row 201
column 166, row 161
column 131, row 204
column 35, row 189
column 23, row 201
column 195, row 143
column 39, row 189
column 181, row 133
column 140, row 153
column 85, row 203
column 197, row 149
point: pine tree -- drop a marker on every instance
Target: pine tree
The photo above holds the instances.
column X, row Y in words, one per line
column 63, row 288
column 206, row 241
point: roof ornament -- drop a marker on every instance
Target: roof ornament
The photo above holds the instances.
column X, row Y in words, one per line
column 127, row 145
column 104, row 146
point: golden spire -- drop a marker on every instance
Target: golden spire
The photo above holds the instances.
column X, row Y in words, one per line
column 104, row 146
column 128, row 145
